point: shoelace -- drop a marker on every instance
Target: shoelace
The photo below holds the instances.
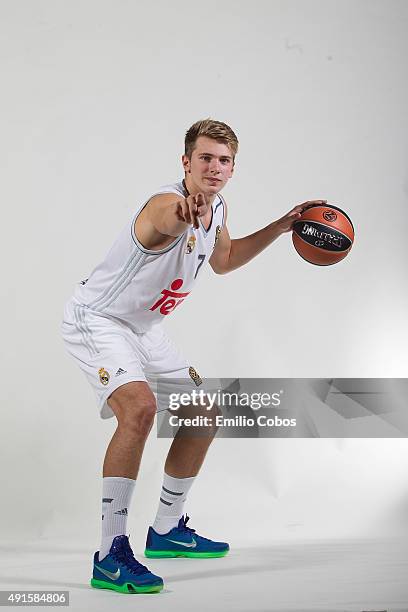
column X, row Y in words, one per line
column 184, row 529
column 125, row 556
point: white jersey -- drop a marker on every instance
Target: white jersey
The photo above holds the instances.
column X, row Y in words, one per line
column 139, row 287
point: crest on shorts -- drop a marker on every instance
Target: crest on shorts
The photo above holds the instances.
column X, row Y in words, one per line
column 217, row 235
column 190, row 244
column 195, row 376
column 103, row 376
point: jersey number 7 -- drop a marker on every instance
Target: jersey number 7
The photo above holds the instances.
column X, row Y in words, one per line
column 201, row 258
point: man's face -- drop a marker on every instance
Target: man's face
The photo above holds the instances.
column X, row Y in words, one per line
column 211, row 165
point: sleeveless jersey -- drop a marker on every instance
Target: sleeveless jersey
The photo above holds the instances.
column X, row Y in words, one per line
column 140, row 287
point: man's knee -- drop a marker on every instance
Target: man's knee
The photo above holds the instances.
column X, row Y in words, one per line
column 134, row 406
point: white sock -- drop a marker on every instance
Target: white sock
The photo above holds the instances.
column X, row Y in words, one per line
column 116, row 495
column 171, row 505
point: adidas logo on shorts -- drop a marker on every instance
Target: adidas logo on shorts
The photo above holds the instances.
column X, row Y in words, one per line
column 120, row 371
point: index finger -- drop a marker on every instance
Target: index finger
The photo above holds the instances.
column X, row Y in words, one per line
column 200, row 200
column 194, row 212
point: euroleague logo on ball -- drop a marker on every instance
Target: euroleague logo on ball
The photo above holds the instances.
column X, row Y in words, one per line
column 330, row 215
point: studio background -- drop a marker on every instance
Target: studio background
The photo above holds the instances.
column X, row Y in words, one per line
column 96, row 98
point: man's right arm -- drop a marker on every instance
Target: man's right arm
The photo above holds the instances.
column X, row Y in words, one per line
column 166, row 216
column 162, row 213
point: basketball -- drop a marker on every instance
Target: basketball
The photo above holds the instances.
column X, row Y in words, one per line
column 323, row 235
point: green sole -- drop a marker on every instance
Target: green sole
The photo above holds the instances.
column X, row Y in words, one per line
column 128, row 587
column 167, row 554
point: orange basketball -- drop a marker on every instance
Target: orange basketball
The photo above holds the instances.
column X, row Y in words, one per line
column 323, row 235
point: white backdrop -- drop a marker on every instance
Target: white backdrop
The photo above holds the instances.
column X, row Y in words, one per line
column 96, row 98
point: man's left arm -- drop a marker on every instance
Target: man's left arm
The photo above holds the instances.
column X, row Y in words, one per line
column 230, row 254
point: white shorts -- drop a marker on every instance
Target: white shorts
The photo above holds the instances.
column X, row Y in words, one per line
column 110, row 354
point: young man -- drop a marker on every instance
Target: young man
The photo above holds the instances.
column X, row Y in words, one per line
column 112, row 328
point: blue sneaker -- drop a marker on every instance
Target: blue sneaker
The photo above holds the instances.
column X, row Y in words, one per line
column 182, row 541
column 120, row 571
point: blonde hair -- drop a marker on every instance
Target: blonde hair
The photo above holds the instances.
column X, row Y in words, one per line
column 221, row 132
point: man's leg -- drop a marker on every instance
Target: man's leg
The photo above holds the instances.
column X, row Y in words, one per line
column 134, row 406
column 173, row 373
column 114, row 565
column 169, row 536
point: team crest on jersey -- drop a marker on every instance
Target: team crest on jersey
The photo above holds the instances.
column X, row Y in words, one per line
column 195, row 376
column 217, row 235
column 190, row 244
column 104, row 376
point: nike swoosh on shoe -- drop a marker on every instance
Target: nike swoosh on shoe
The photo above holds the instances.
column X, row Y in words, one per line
column 191, row 544
column 111, row 575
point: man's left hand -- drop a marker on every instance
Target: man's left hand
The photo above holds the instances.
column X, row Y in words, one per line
column 286, row 222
